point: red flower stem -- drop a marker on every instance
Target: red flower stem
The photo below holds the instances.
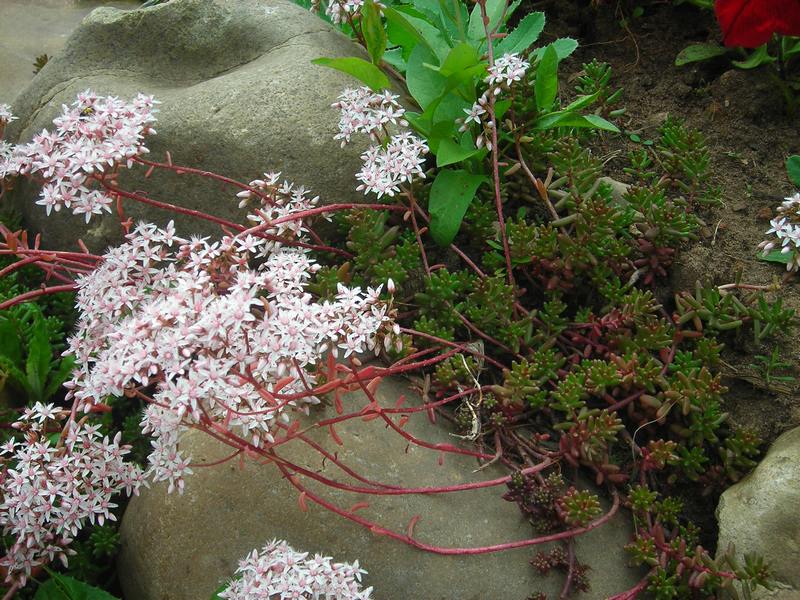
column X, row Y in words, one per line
column 171, row 207
column 439, row 549
column 484, row 336
column 19, row 264
column 421, row 246
column 56, row 253
column 633, row 593
column 200, row 172
column 310, row 212
column 56, row 289
column 461, row 347
column 498, row 201
column 218, row 462
column 414, row 439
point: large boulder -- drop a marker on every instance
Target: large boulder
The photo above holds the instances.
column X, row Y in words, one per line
column 30, row 28
column 183, row 547
column 239, row 97
column 760, row 515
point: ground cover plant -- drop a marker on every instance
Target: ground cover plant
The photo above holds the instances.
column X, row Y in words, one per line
column 520, row 286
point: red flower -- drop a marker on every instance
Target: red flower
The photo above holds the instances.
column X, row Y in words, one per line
column 751, row 23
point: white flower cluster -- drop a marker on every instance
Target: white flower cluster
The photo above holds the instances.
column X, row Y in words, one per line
column 49, row 491
column 5, row 115
column 362, row 110
column 506, row 70
column 92, row 137
column 389, row 164
column 221, row 342
column 279, row 572
column 786, row 227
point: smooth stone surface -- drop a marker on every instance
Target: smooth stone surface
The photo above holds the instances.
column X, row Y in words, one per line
column 30, row 28
column 183, row 547
column 239, row 97
column 761, row 514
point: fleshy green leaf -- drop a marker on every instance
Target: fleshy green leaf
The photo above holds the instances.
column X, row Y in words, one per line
column 451, row 194
column 365, row 72
column 494, row 10
column 546, row 83
column 793, row 169
column 429, row 33
column 460, row 58
column 62, row 587
column 563, row 47
column 40, row 353
column 776, row 256
column 566, row 119
column 373, row 31
column 759, row 56
column 10, row 345
column 219, row 590
column 450, row 152
column 697, row 53
column 524, row 35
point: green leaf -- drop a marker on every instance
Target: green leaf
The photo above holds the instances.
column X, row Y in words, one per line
column 494, row 10
column 450, row 152
column 776, row 256
column 563, row 47
column 565, row 119
column 40, row 353
column 62, row 587
column 401, row 32
column 373, row 31
column 428, row 32
column 10, row 343
column 582, row 102
column 59, row 376
column 365, row 72
column 697, row 53
column 760, row 56
column 793, row 169
column 546, row 84
column 451, row 194
column 524, row 35
column 459, row 59
column 219, row 590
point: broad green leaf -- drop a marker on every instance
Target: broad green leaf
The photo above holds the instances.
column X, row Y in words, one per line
column 793, row 169
column 62, row 587
column 565, row 119
column 59, row 376
column 460, row 58
column 776, row 256
column 524, row 35
column 546, row 84
column 395, row 58
column 429, row 33
column 40, row 353
column 501, row 107
column 373, row 31
column 424, row 84
column 494, row 10
column 365, row 72
column 218, row 591
column 697, row 53
column 759, row 56
column 450, row 153
column 563, row 47
column 582, row 102
column 10, row 344
column 401, row 32
column 451, row 194
column 456, row 17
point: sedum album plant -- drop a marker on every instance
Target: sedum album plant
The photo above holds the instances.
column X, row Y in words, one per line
column 529, row 285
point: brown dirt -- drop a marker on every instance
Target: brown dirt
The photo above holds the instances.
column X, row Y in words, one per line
column 749, row 134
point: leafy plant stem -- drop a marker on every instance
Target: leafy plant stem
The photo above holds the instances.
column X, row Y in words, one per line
column 495, row 166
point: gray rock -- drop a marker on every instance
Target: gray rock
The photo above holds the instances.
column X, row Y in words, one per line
column 240, row 97
column 760, row 515
column 183, row 547
column 30, row 28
